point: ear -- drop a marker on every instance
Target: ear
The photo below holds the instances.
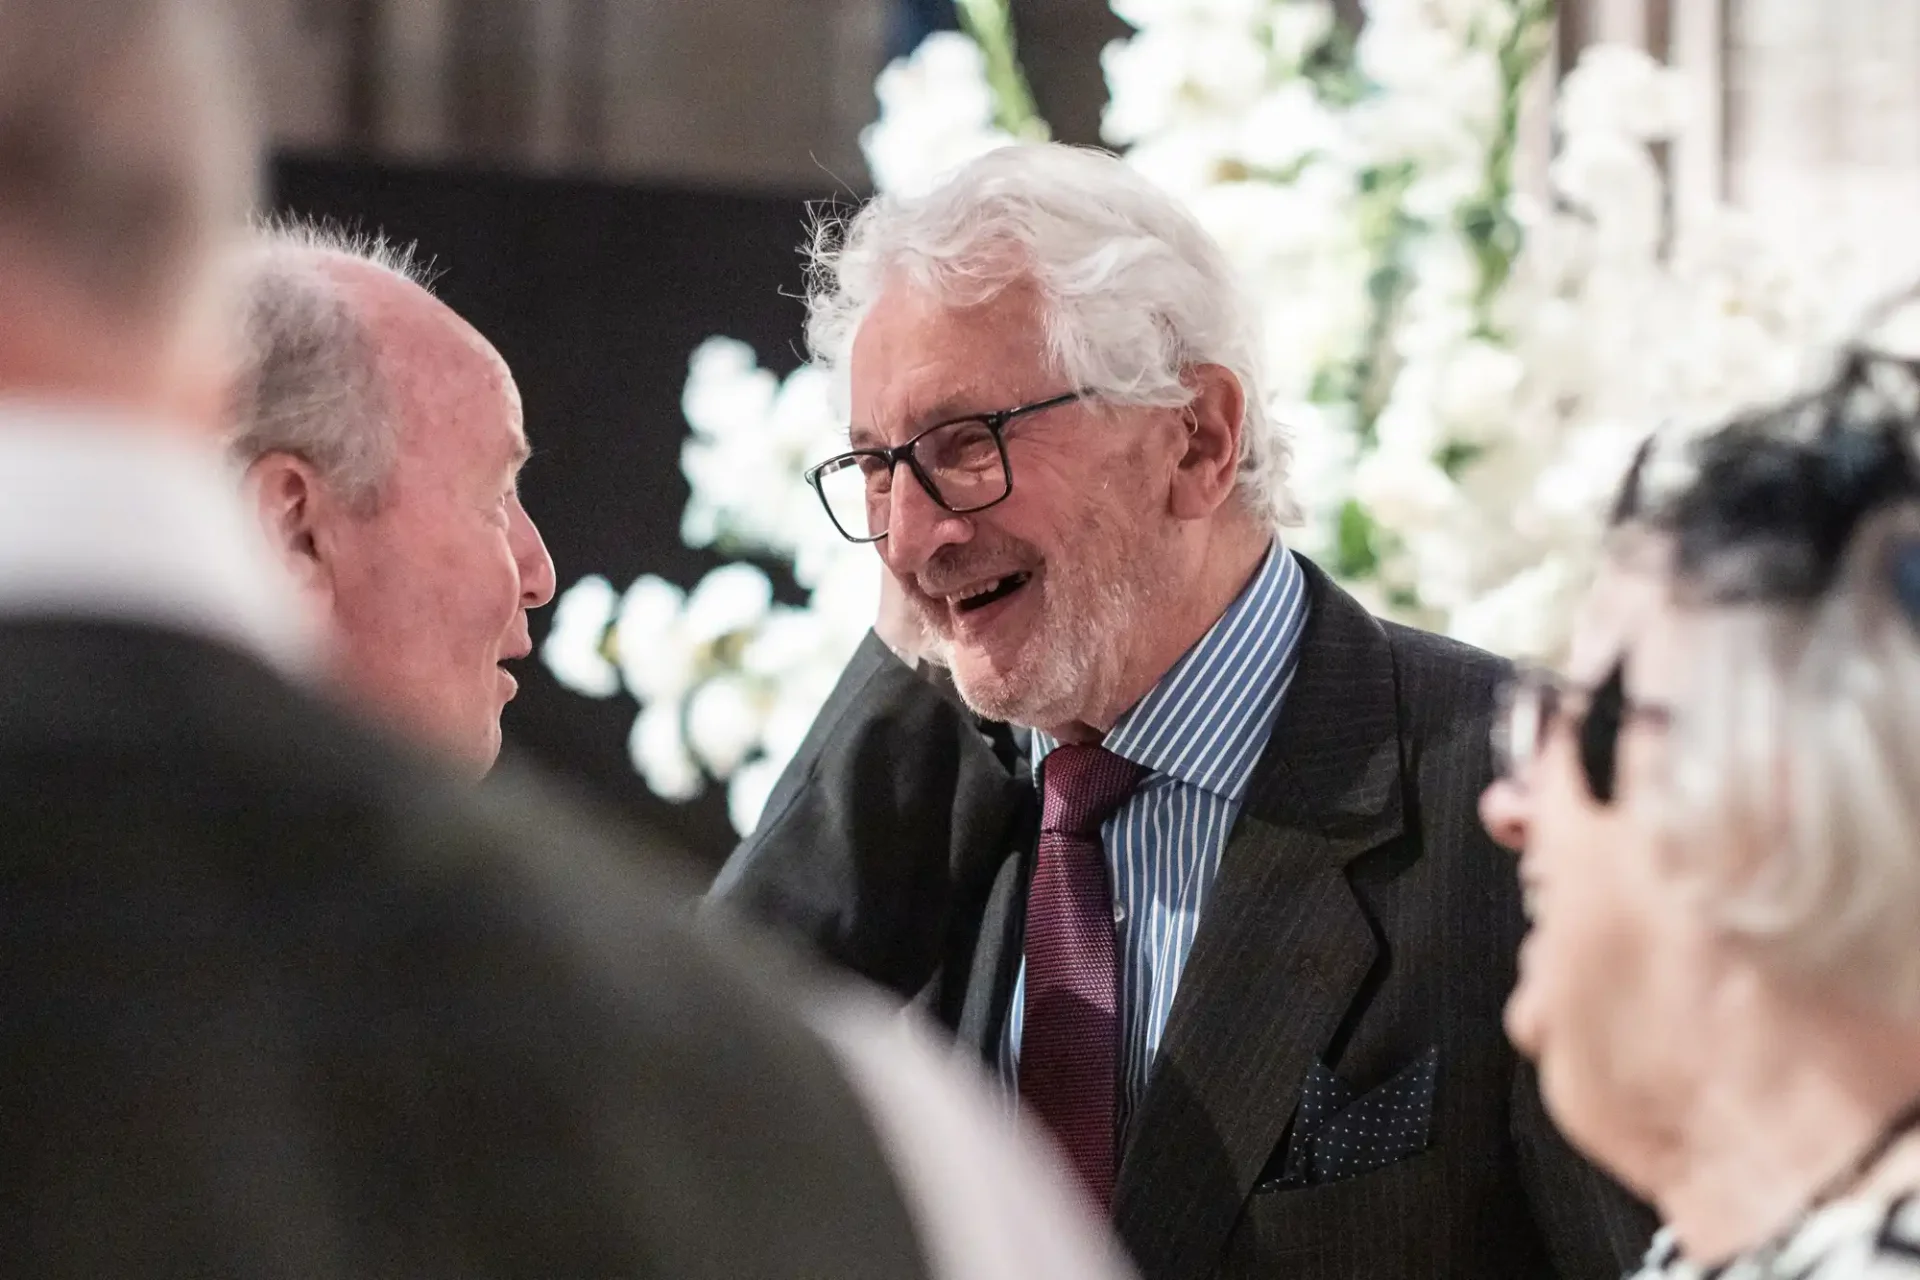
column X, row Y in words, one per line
column 1210, row 464
column 293, row 504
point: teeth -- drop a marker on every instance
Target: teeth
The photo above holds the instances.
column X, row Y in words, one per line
column 984, row 589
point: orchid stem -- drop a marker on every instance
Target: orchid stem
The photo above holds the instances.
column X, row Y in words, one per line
column 990, row 24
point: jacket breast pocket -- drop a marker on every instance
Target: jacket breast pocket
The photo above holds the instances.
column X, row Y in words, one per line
column 1380, row 1223
column 1338, row 1133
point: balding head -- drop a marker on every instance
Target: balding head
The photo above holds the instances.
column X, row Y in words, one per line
column 382, row 437
column 432, row 360
column 315, row 380
column 126, row 165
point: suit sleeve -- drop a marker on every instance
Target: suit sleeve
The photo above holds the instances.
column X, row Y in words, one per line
column 878, row 826
column 1593, row 1228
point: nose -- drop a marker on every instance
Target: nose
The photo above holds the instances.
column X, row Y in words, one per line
column 917, row 526
column 537, row 575
column 1506, row 814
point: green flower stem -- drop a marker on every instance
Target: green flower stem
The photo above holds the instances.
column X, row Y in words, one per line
column 990, row 23
column 1489, row 223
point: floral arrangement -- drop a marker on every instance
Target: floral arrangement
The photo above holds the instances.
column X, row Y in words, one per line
column 1464, row 369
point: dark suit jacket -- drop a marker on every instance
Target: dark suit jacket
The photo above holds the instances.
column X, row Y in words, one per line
column 279, row 1001
column 1361, row 918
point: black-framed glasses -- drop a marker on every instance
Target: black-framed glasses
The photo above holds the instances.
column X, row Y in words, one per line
column 1534, row 699
column 961, row 463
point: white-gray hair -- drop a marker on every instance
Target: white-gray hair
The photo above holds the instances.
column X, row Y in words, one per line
column 1134, row 291
column 1796, row 778
column 310, row 381
column 126, row 155
column 1793, row 554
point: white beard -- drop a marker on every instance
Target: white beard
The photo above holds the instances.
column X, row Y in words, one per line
column 1072, row 666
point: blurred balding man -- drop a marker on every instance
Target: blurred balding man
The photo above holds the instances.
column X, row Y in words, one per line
column 280, row 1000
column 382, row 437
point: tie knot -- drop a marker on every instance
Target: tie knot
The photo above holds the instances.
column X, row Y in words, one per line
column 1080, row 786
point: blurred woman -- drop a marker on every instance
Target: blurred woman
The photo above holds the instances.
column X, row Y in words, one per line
column 1718, row 816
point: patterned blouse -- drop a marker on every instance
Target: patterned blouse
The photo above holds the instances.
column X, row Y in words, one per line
column 1849, row 1240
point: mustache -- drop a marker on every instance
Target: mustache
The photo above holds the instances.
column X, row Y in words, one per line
column 954, row 566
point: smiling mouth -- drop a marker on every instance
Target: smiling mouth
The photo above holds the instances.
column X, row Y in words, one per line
column 991, row 592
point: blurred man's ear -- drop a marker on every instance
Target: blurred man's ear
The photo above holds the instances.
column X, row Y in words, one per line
column 294, row 505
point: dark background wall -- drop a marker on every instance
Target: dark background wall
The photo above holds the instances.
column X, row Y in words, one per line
column 596, row 294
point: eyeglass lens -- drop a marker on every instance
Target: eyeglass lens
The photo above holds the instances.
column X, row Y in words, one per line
column 959, row 462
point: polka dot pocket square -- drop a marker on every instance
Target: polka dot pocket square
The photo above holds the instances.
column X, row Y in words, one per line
column 1337, row 1135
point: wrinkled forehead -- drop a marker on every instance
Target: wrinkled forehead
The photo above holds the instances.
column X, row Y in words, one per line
column 917, row 352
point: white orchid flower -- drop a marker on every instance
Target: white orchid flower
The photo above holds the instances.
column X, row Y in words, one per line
column 574, row 650
column 724, row 720
column 659, row 753
column 657, row 661
column 748, row 792
column 729, row 600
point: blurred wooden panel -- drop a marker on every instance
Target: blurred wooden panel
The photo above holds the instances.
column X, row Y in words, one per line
column 1697, row 45
column 301, row 55
column 1803, row 110
column 1823, row 121
column 752, row 94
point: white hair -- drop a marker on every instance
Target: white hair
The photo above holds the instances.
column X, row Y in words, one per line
column 310, row 381
column 1134, row 291
column 1795, row 783
column 126, row 156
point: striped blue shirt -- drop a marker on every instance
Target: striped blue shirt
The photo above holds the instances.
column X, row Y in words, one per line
column 1199, row 732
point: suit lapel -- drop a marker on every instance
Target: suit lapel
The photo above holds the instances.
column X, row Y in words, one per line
column 1281, row 953
column 996, row 961
column 997, row 945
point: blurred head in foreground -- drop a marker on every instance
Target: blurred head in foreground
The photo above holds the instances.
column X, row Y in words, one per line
column 1718, row 813
column 383, row 440
column 125, row 169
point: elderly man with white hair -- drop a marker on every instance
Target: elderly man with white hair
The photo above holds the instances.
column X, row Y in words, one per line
column 1162, row 824
column 382, row 439
column 281, row 1000
column 1718, row 816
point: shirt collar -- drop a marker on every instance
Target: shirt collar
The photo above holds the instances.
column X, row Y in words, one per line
column 1206, row 721
column 103, row 518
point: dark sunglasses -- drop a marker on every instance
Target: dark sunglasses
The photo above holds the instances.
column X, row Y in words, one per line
column 1534, row 699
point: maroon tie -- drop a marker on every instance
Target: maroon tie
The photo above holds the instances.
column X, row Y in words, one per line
column 1069, row 1033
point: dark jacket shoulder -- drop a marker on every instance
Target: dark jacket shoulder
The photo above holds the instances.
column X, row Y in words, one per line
column 275, row 984
column 1441, row 674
